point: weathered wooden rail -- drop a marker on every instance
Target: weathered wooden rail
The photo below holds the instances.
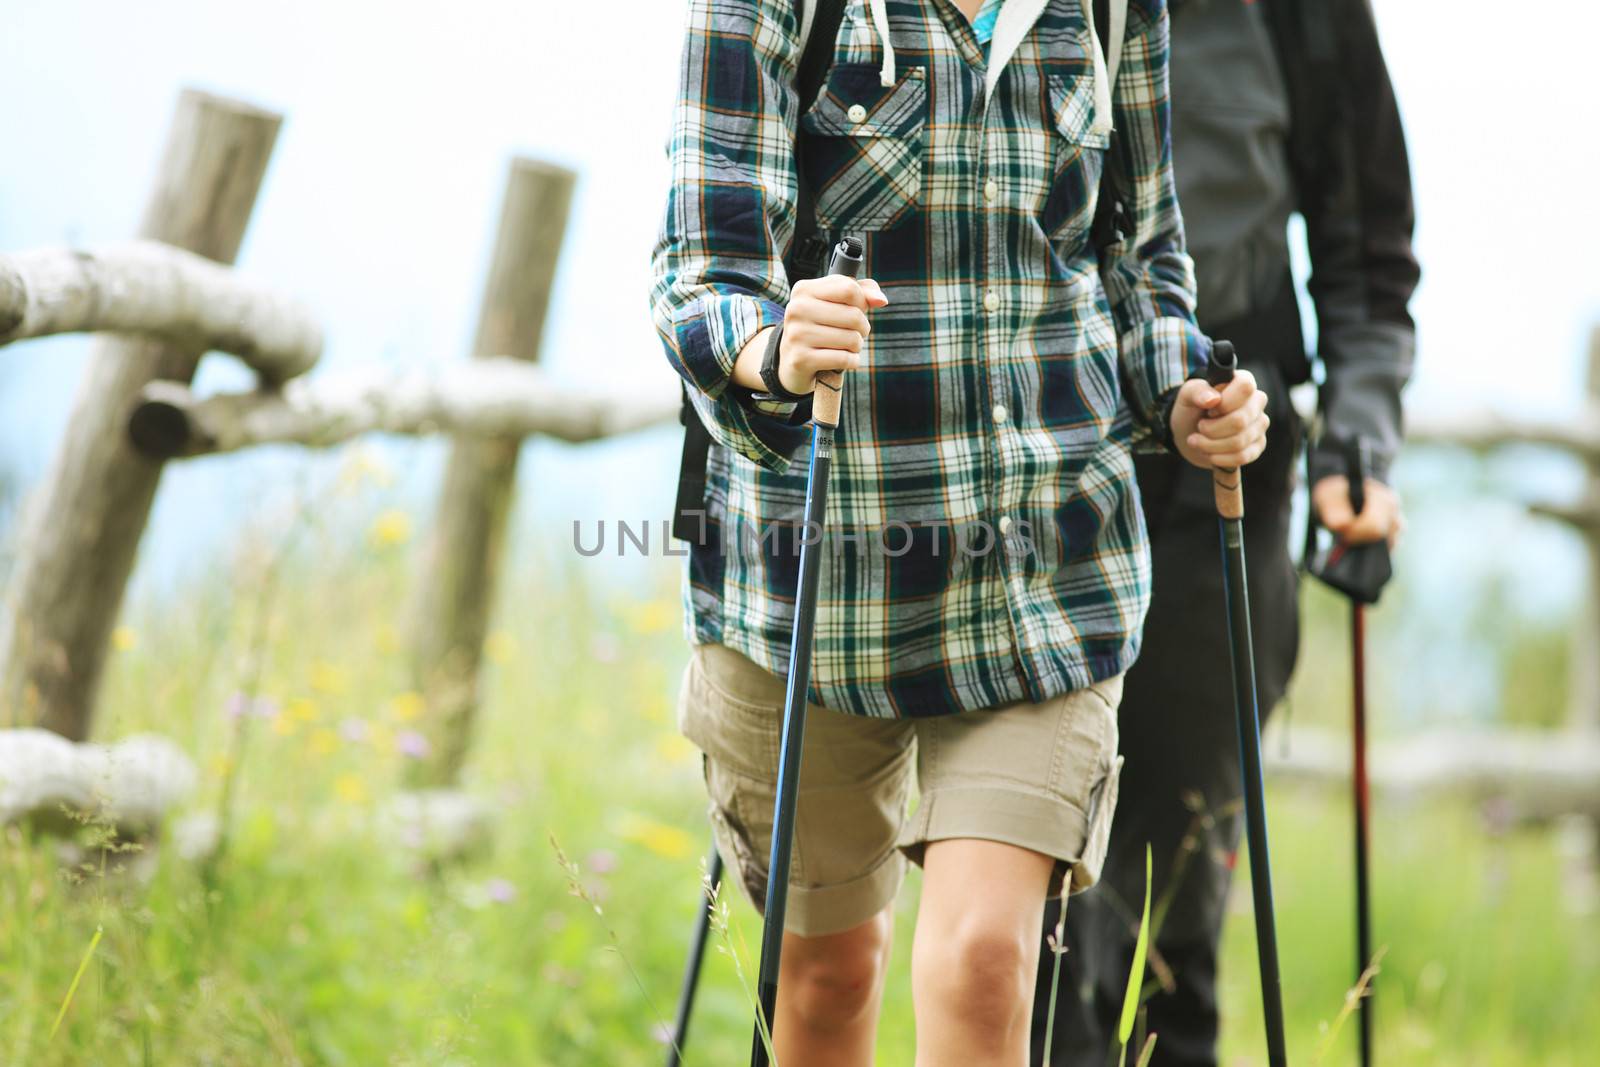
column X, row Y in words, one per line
column 169, row 297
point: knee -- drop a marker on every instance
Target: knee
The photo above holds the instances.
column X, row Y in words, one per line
column 982, row 975
column 832, row 981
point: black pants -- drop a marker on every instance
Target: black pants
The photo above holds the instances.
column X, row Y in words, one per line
column 1180, row 783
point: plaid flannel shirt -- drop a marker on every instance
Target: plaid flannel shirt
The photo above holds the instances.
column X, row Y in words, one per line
column 983, row 542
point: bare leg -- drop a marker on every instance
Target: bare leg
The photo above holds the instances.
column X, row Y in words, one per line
column 976, row 951
column 829, row 991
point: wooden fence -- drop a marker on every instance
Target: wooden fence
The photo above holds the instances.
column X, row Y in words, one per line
column 169, row 297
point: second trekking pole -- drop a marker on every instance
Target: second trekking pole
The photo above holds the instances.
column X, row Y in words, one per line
column 1229, row 491
column 825, row 405
column 1359, row 571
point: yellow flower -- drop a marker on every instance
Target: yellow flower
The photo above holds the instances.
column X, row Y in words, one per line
column 302, row 709
column 326, row 678
column 408, row 706
column 653, row 616
column 393, row 527
column 322, row 741
column 669, row 842
column 352, row 790
column 284, row 725
column 387, row 639
column 362, row 465
column 124, row 639
column 500, row 647
column 675, row 748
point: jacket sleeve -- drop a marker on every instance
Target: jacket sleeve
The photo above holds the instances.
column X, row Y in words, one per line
column 1359, row 216
column 717, row 276
column 1148, row 275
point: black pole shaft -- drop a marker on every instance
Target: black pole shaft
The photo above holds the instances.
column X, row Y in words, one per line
column 1358, row 657
column 794, row 728
column 1242, row 651
column 697, row 954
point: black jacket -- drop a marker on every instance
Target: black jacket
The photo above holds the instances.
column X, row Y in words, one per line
column 1285, row 106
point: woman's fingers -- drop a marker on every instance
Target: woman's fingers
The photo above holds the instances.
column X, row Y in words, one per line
column 803, row 335
column 1225, row 451
column 843, row 316
column 1219, row 427
column 1237, row 393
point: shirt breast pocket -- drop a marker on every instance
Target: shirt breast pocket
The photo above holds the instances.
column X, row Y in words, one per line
column 1078, row 157
column 863, row 148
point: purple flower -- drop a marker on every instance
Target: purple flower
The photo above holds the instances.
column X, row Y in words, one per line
column 411, row 744
column 241, row 704
column 499, row 890
column 601, row 861
column 353, row 729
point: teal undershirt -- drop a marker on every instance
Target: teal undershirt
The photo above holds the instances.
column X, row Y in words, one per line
column 983, row 24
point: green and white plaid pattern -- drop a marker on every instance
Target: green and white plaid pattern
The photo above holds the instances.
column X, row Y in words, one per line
column 996, row 405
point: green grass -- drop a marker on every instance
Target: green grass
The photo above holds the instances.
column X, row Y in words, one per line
column 317, row 943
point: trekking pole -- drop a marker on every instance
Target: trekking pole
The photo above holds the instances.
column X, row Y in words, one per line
column 1358, row 667
column 1228, row 489
column 697, row 953
column 1359, row 572
column 847, row 257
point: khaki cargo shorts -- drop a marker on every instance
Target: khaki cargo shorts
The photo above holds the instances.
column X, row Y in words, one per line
column 1039, row 776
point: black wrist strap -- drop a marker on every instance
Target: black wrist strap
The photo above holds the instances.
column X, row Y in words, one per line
column 769, row 370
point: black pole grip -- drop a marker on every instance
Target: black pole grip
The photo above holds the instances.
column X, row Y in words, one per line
column 1221, row 365
column 847, row 257
column 1226, row 485
column 1358, row 468
column 826, row 399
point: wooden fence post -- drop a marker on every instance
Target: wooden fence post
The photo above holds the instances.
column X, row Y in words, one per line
column 1584, row 694
column 82, row 531
column 462, row 560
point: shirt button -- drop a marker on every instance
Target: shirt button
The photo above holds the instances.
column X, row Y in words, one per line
column 991, row 301
column 1005, row 525
column 999, row 413
column 856, row 113
column 991, row 189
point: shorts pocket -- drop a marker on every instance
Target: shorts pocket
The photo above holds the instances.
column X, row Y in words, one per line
column 732, row 710
column 1102, row 809
column 863, row 147
column 1079, row 152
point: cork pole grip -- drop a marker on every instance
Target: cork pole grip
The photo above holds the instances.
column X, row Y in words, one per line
column 829, row 393
column 1226, row 482
column 828, row 398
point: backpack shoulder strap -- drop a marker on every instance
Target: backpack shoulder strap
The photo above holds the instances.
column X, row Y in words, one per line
column 819, row 29
column 1111, row 223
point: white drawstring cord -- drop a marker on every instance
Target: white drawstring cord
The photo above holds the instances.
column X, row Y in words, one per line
column 880, row 22
column 1102, row 83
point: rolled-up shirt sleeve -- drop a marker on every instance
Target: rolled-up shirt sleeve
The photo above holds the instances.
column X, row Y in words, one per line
column 717, row 276
column 1148, row 275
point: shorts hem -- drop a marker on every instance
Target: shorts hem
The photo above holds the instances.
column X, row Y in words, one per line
column 1046, row 825
column 816, row 911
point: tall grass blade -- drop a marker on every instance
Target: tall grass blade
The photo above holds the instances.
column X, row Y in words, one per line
column 1141, row 948
column 83, row 965
column 1058, row 948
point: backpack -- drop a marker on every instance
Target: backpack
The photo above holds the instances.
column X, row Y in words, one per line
column 819, row 30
